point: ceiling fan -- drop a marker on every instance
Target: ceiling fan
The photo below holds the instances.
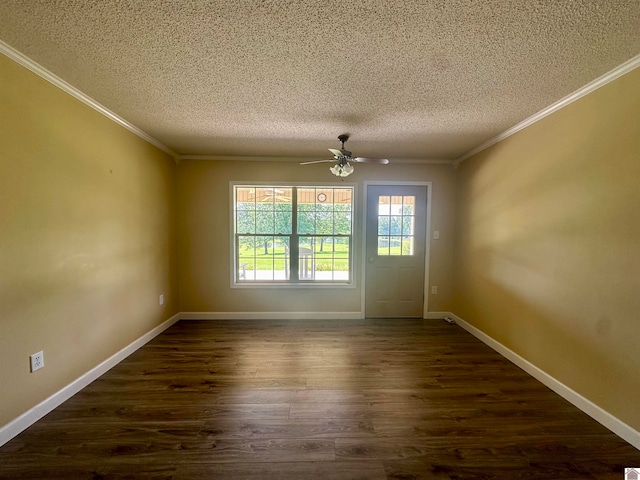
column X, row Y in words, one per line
column 343, row 159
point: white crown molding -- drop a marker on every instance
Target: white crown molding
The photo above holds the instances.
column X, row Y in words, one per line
column 31, row 416
column 608, row 77
column 424, row 161
column 39, row 70
column 42, row 72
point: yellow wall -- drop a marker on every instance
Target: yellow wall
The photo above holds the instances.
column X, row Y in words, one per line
column 548, row 245
column 96, row 223
column 86, row 238
column 204, row 235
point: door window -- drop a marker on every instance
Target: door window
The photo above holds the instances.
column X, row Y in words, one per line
column 396, row 225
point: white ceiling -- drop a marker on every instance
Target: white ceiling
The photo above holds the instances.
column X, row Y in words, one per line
column 411, row 79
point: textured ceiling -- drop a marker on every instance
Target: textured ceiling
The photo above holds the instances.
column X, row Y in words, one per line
column 411, row 79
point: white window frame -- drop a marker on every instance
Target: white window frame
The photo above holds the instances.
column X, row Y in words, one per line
column 353, row 250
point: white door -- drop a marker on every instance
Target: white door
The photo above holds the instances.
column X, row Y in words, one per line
column 395, row 248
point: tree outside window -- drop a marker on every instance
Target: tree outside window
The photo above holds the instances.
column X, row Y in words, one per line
column 293, row 234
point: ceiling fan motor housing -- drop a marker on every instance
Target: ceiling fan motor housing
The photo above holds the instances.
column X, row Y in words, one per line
column 345, row 153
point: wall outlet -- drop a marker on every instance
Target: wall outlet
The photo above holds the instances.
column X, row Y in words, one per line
column 434, row 290
column 37, row 361
column 161, row 299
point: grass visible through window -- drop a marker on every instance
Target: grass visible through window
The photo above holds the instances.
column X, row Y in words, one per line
column 323, row 260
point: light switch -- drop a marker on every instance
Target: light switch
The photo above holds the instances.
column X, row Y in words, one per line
column 436, row 235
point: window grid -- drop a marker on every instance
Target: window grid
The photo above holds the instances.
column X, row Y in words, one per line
column 316, row 221
column 396, row 225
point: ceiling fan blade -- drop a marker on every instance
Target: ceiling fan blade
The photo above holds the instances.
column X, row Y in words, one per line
column 382, row 161
column 336, row 152
column 317, row 161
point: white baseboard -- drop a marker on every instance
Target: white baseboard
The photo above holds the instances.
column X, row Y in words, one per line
column 288, row 315
column 28, row 418
column 436, row 315
column 270, row 316
column 603, row 417
column 24, row 421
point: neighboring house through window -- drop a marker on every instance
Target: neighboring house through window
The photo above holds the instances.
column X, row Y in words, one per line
column 293, row 234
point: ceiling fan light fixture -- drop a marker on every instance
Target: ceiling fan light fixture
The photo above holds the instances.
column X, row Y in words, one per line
column 343, row 169
column 343, row 159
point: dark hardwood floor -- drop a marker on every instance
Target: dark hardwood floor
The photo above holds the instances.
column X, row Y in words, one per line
column 329, row 400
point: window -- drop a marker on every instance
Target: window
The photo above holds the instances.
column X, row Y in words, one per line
column 291, row 234
column 396, row 225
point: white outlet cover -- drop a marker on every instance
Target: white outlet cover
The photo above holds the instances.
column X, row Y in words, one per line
column 37, row 361
column 161, row 299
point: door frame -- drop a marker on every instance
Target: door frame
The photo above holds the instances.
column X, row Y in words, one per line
column 427, row 245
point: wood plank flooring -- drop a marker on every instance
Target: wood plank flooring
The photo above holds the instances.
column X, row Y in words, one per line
column 329, row 400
